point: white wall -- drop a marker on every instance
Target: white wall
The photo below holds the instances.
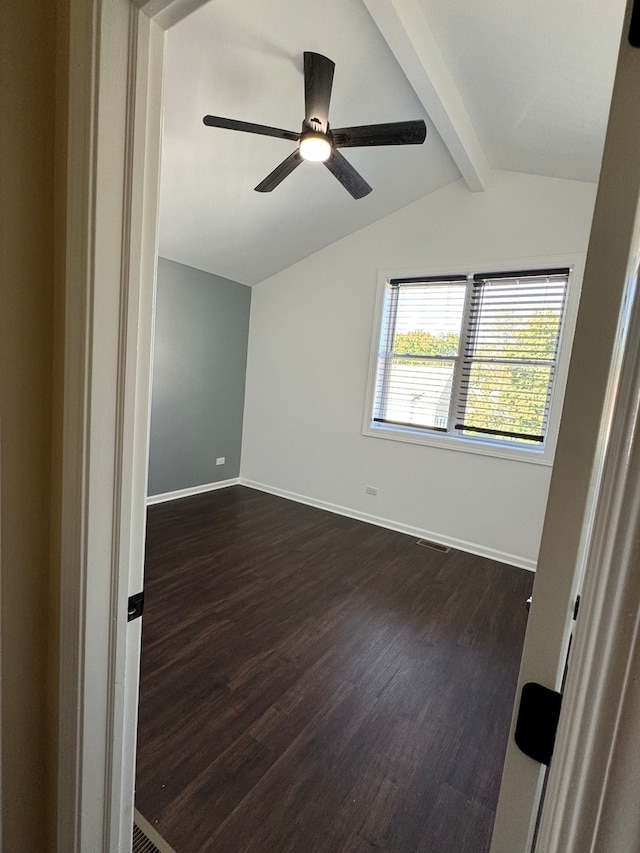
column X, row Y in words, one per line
column 309, row 345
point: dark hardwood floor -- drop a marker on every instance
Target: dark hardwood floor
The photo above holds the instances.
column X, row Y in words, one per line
column 315, row 684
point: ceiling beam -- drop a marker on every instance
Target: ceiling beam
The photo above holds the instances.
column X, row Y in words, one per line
column 406, row 31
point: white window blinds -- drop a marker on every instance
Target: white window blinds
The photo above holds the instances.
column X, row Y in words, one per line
column 419, row 351
column 471, row 356
column 510, row 354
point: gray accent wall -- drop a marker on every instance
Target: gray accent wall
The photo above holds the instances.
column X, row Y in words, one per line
column 199, row 367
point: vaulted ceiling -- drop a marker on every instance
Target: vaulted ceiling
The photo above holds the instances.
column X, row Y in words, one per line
column 501, row 85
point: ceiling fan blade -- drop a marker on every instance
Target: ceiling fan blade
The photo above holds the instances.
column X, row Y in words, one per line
column 351, row 180
column 393, row 133
column 318, row 79
column 248, row 127
column 279, row 173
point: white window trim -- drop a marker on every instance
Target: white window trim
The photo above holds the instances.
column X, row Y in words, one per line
column 485, row 446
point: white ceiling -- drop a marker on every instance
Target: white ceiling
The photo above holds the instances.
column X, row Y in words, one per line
column 501, row 84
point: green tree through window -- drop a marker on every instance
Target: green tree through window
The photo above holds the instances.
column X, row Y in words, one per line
column 418, row 342
column 508, row 395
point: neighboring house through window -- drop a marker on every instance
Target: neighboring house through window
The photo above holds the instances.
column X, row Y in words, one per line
column 471, row 360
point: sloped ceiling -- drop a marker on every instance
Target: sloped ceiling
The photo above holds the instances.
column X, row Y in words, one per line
column 501, row 85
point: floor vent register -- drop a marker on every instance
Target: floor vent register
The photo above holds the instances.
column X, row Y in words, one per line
column 146, row 839
column 435, row 546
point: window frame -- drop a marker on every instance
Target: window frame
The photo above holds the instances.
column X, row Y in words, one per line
column 479, row 444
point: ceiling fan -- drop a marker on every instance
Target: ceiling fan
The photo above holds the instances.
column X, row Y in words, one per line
column 317, row 141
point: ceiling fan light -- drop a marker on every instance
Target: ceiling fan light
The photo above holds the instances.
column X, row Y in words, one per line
column 315, row 147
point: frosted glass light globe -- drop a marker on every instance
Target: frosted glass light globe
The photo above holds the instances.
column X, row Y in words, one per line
column 315, row 147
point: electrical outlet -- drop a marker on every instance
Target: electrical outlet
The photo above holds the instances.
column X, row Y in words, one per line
column 221, row 460
column 371, row 490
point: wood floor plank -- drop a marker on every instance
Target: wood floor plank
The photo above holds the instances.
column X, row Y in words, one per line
column 315, row 684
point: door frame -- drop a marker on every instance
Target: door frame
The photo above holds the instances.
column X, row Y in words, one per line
column 113, row 146
column 589, row 802
column 587, row 477
column 112, row 142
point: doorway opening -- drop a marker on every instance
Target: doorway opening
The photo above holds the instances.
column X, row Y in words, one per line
column 69, row 848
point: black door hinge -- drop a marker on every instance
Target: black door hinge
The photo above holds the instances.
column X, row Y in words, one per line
column 634, row 26
column 135, row 606
column 576, row 608
column 537, row 723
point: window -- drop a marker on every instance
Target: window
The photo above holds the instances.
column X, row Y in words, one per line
column 469, row 358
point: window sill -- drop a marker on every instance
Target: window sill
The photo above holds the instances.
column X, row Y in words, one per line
column 479, row 446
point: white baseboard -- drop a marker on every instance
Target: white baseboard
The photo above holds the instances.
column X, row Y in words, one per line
column 460, row 544
column 193, row 490
column 452, row 542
